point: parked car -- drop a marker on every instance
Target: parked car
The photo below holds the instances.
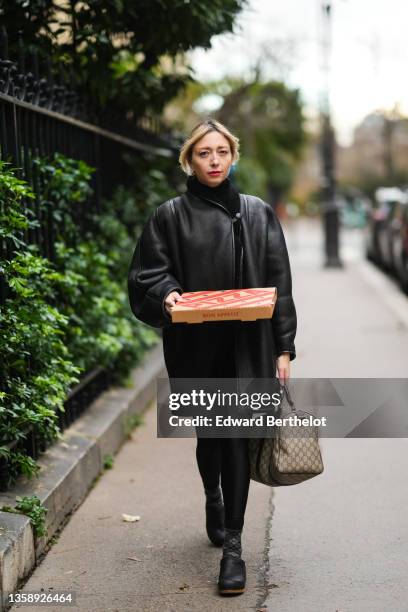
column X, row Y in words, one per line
column 390, row 231
column 378, row 245
column 400, row 243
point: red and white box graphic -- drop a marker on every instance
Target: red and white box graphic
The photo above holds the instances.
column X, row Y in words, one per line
column 225, row 305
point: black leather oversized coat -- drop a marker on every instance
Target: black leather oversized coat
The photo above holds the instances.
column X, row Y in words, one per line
column 188, row 245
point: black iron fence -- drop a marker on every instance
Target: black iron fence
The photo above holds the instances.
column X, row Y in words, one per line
column 40, row 114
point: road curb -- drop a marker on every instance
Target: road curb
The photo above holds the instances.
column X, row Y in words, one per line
column 69, row 468
column 387, row 289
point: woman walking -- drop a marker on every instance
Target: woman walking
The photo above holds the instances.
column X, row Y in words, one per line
column 212, row 237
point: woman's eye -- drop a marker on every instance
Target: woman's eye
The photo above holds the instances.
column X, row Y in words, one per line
column 205, row 153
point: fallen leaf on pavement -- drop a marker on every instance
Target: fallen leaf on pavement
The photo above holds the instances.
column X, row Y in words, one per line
column 133, row 558
column 130, row 518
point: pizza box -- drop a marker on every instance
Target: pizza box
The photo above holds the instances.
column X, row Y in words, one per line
column 225, row 305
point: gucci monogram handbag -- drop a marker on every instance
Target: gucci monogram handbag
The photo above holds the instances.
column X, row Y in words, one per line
column 290, row 457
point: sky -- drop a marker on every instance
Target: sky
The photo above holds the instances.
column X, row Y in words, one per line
column 368, row 59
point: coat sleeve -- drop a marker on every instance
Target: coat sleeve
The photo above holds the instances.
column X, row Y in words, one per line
column 284, row 319
column 150, row 278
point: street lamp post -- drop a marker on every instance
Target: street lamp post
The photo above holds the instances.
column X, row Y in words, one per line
column 328, row 203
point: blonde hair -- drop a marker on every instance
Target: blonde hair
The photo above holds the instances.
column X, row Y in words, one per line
column 200, row 130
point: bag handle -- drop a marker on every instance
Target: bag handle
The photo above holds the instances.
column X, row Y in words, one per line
column 285, row 390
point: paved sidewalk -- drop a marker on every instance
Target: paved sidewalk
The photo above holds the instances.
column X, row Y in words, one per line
column 340, row 541
column 352, row 322
column 336, row 543
column 174, row 566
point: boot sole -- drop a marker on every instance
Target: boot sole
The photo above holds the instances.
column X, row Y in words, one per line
column 231, row 591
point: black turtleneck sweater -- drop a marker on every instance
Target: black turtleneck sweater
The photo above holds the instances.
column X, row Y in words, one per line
column 228, row 196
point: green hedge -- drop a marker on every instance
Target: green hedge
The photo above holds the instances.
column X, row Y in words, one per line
column 65, row 317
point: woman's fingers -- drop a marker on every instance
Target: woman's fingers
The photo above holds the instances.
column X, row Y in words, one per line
column 171, row 300
column 283, row 367
column 283, row 375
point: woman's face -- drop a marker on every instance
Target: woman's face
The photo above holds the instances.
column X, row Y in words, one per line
column 211, row 158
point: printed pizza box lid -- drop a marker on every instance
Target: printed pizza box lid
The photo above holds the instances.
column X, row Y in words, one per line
column 225, row 305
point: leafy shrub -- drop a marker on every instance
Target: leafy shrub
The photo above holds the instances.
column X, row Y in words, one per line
column 37, row 368
column 62, row 318
column 32, row 507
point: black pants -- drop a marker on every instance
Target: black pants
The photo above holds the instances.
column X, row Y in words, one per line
column 226, row 458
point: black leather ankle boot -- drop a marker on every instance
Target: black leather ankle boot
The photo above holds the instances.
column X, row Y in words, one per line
column 214, row 516
column 232, row 576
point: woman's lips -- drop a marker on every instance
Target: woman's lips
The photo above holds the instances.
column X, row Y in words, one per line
column 214, row 172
